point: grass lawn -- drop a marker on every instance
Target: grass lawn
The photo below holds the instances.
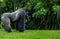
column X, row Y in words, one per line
column 30, row 34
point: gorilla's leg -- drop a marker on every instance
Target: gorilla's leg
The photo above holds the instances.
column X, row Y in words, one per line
column 16, row 25
column 21, row 23
column 13, row 25
column 6, row 24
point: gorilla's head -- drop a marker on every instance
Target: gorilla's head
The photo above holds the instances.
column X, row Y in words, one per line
column 26, row 12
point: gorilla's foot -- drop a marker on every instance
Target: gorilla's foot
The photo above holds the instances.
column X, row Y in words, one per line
column 21, row 30
column 8, row 29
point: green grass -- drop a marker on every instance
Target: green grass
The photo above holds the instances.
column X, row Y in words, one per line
column 30, row 34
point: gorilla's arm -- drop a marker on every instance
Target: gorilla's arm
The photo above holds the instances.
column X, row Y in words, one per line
column 5, row 18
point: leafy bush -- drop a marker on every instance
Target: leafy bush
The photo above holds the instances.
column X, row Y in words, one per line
column 39, row 13
column 56, row 8
column 38, row 6
column 31, row 25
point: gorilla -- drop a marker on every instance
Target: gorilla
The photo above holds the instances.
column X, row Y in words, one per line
column 19, row 16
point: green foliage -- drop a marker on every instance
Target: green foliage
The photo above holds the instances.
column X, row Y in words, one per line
column 2, row 3
column 1, row 0
column 39, row 13
column 56, row 8
column 54, row 1
column 38, row 6
column 28, row 5
column 31, row 25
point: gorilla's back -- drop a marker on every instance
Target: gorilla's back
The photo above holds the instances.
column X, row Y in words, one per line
column 6, row 15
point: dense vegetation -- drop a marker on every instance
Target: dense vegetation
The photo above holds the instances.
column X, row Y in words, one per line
column 44, row 14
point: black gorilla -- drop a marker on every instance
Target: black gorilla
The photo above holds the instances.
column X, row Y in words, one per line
column 19, row 17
